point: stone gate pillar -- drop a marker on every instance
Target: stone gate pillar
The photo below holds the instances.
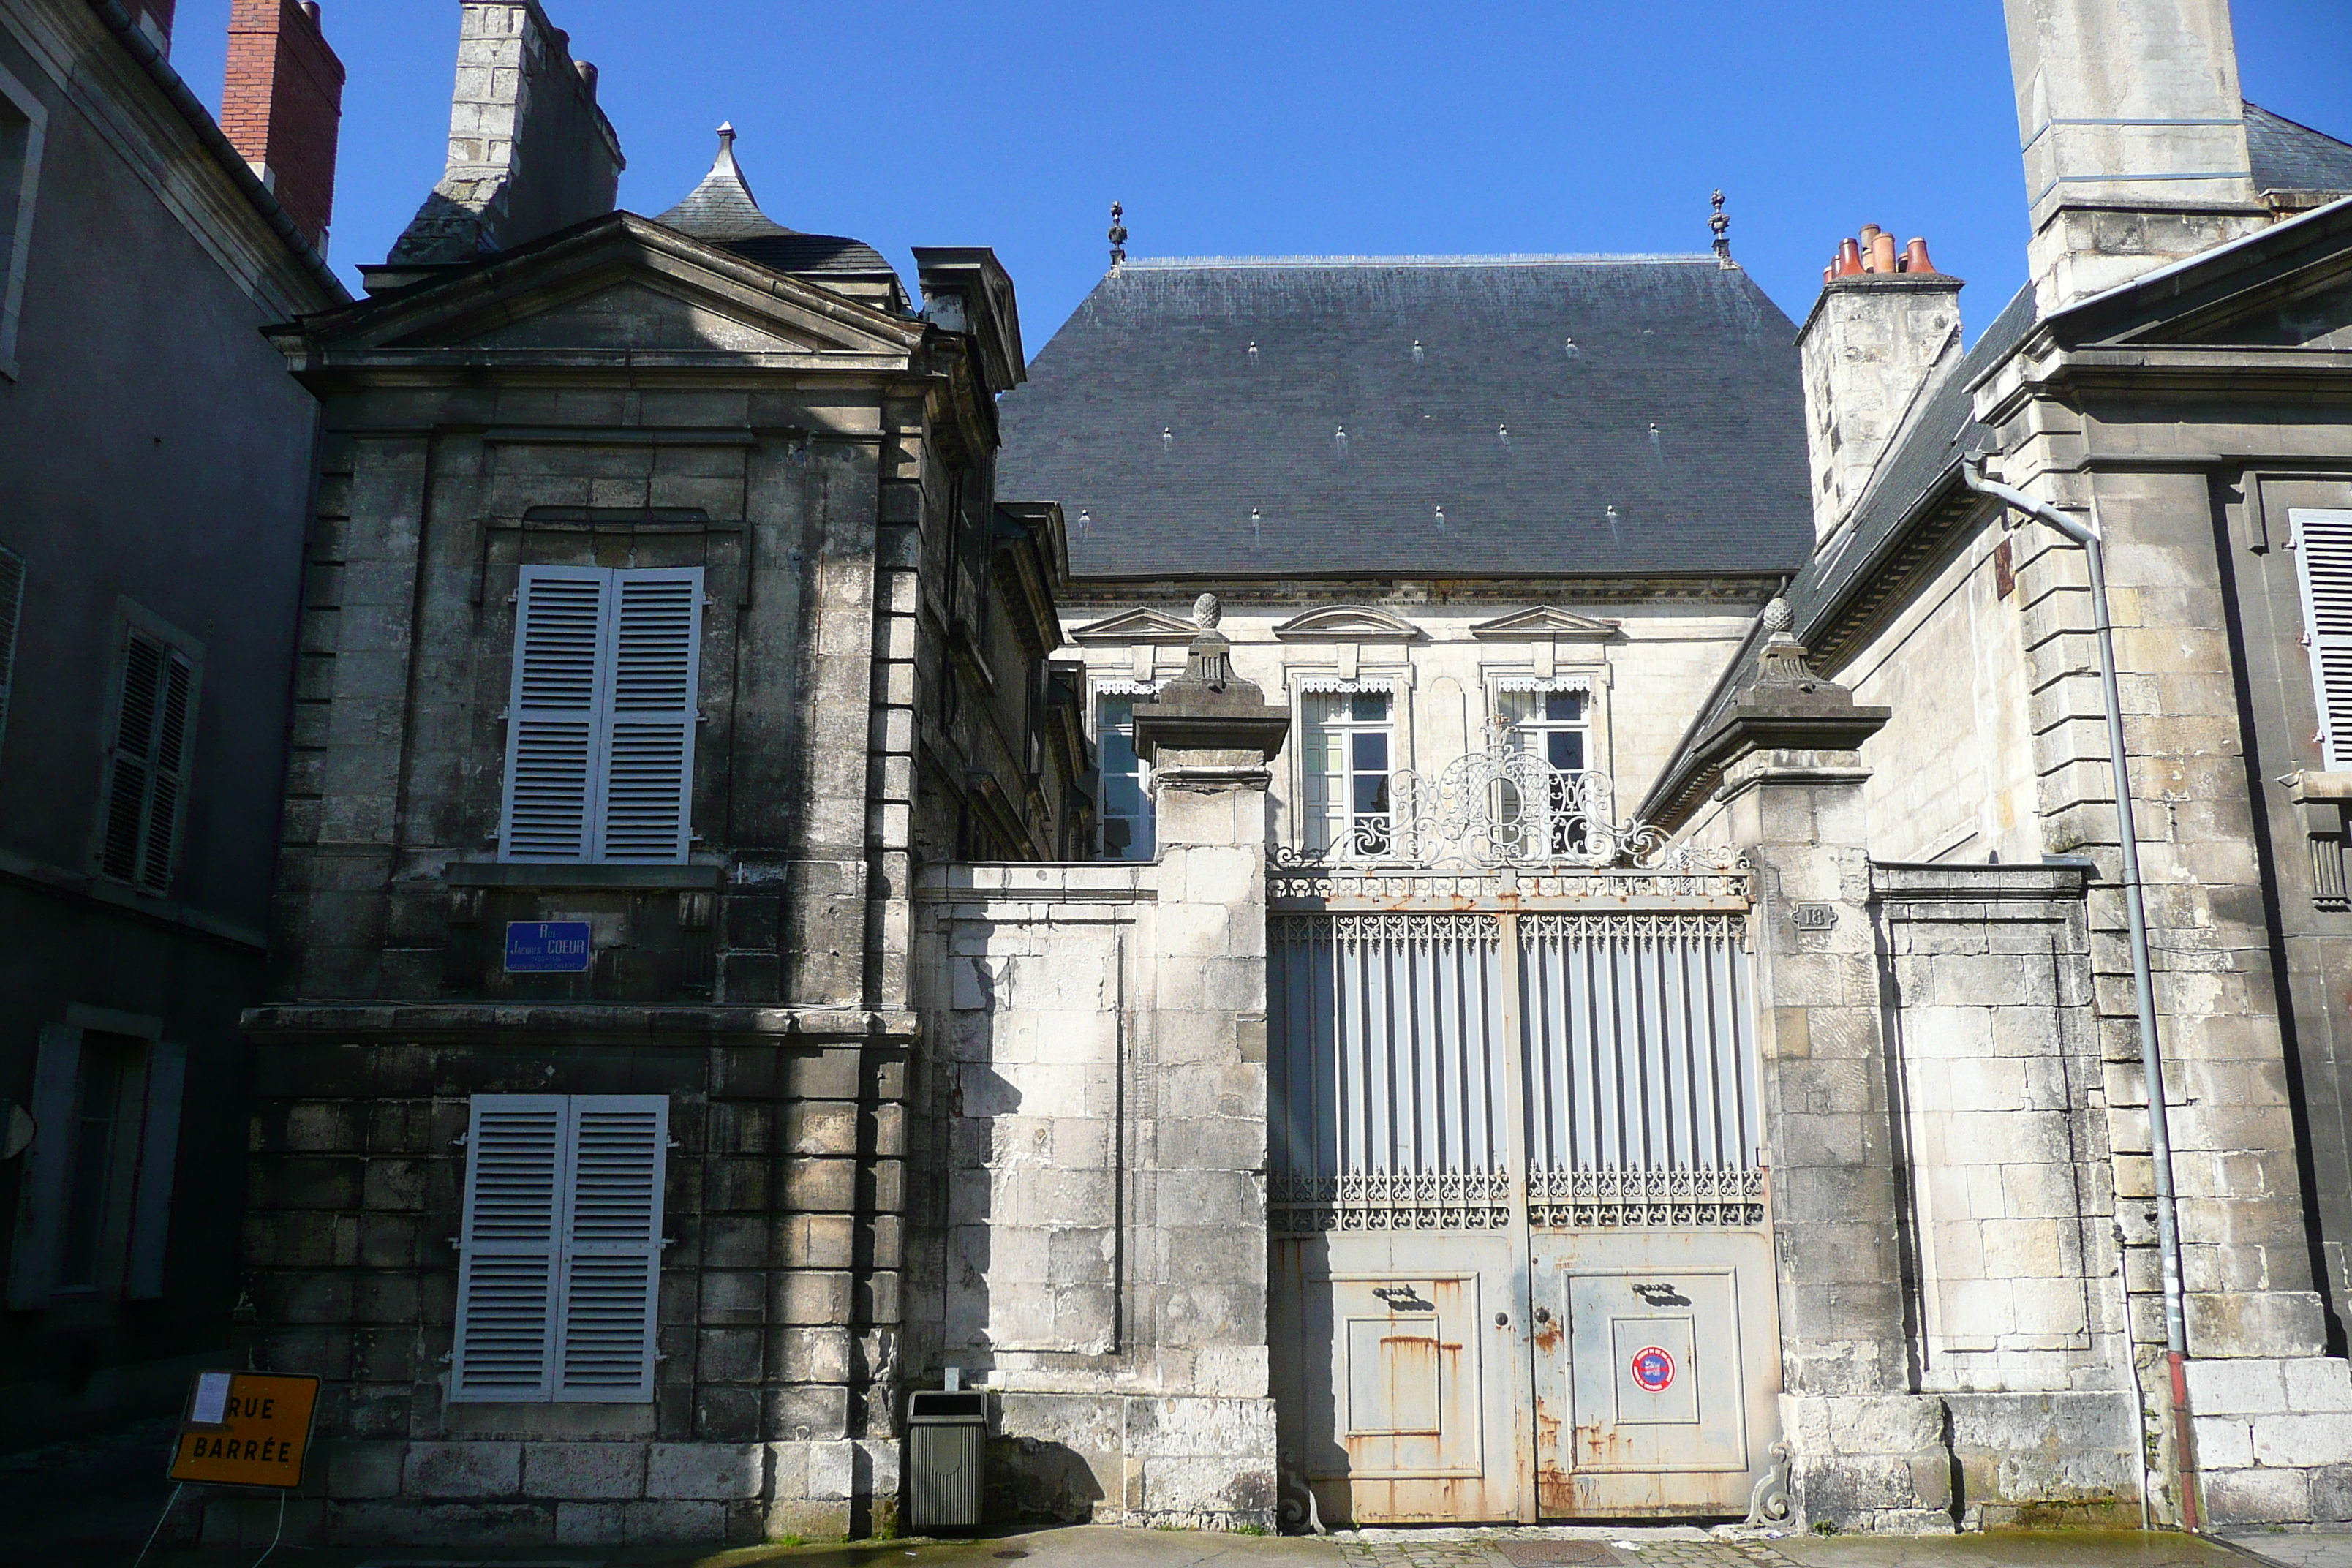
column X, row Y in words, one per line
column 1203, row 1451
column 1865, row 1452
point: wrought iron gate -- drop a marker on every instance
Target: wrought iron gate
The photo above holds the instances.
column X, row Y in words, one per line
column 1517, row 1194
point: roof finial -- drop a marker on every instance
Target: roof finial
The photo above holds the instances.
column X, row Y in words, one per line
column 1117, row 237
column 1721, row 224
column 727, row 132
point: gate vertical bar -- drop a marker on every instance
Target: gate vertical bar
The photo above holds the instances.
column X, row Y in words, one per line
column 1519, row 1365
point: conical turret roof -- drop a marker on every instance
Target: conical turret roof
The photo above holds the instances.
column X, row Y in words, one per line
column 721, row 211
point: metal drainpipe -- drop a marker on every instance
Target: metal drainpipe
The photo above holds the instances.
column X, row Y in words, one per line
column 2167, row 1229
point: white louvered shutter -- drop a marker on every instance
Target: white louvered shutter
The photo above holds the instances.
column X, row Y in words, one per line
column 12, row 615
column 612, row 1254
column 510, row 1250
column 554, row 713
column 155, row 721
column 2324, row 560
column 649, row 744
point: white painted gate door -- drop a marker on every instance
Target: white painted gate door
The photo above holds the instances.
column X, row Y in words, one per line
column 1506, row 1148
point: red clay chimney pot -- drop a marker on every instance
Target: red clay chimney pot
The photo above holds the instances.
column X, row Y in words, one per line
column 1915, row 257
column 1849, row 261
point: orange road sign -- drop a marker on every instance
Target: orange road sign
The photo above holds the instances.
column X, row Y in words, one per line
column 246, row 1430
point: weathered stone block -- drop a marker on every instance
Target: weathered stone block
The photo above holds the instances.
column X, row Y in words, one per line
column 463, row 1470
column 583, row 1471
column 705, row 1471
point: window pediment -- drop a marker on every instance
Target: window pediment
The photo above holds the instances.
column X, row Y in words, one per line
column 1348, row 622
column 1545, row 623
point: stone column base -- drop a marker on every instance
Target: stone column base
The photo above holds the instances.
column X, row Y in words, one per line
column 2274, row 1438
column 1183, row 1461
column 1871, row 1464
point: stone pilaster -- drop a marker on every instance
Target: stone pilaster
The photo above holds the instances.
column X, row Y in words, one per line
column 1205, row 1452
column 1867, row 1453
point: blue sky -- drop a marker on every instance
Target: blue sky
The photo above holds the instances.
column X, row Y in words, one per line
column 1280, row 127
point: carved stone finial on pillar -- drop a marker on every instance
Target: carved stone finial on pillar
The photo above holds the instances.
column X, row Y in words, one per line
column 1208, row 721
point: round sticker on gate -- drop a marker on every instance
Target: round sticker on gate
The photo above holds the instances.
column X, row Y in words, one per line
column 1654, row 1369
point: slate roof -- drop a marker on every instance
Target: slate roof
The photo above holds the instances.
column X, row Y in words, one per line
column 1150, row 420
column 2291, row 157
column 723, row 211
column 1925, row 459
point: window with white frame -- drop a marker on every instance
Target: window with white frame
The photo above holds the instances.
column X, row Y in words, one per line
column 148, row 757
column 1126, row 816
column 2322, row 563
column 560, row 1268
column 1552, row 721
column 601, row 722
column 1345, row 758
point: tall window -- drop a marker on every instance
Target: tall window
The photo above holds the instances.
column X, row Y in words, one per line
column 2323, row 560
column 1347, row 761
column 599, row 727
column 559, row 1262
column 23, row 124
column 147, row 762
column 97, row 1204
column 1125, row 782
column 1551, row 724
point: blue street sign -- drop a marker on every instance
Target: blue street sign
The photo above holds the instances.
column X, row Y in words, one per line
column 546, row 947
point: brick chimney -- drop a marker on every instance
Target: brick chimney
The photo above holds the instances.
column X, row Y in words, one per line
column 529, row 151
column 1874, row 342
column 283, row 106
column 2135, row 138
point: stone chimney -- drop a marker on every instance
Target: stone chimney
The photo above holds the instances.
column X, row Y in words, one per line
column 2135, row 138
column 282, row 105
column 530, row 151
column 154, row 19
column 1874, row 342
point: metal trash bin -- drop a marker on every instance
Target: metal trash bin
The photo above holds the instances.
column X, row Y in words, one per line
column 947, row 1434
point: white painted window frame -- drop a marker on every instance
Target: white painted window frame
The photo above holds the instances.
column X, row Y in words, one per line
column 24, row 136
column 1318, row 831
column 1105, row 692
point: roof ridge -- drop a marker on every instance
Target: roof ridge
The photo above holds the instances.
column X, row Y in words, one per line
column 1511, row 258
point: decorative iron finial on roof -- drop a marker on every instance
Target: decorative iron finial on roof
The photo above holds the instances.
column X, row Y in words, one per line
column 1118, row 237
column 1721, row 224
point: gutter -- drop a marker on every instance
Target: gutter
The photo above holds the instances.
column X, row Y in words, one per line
column 200, row 120
column 2168, row 1224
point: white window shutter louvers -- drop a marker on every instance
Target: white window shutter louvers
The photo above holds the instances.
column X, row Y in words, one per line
column 2323, row 562
column 12, row 617
column 553, row 714
column 648, row 751
column 507, row 1272
column 612, row 1264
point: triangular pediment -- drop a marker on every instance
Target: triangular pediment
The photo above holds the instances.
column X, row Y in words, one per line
column 2318, row 318
column 1138, row 626
column 1346, row 623
column 618, row 285
column 1545, row 623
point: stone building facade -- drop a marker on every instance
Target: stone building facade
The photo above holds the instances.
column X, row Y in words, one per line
column 660, row 615
column 155, row 480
